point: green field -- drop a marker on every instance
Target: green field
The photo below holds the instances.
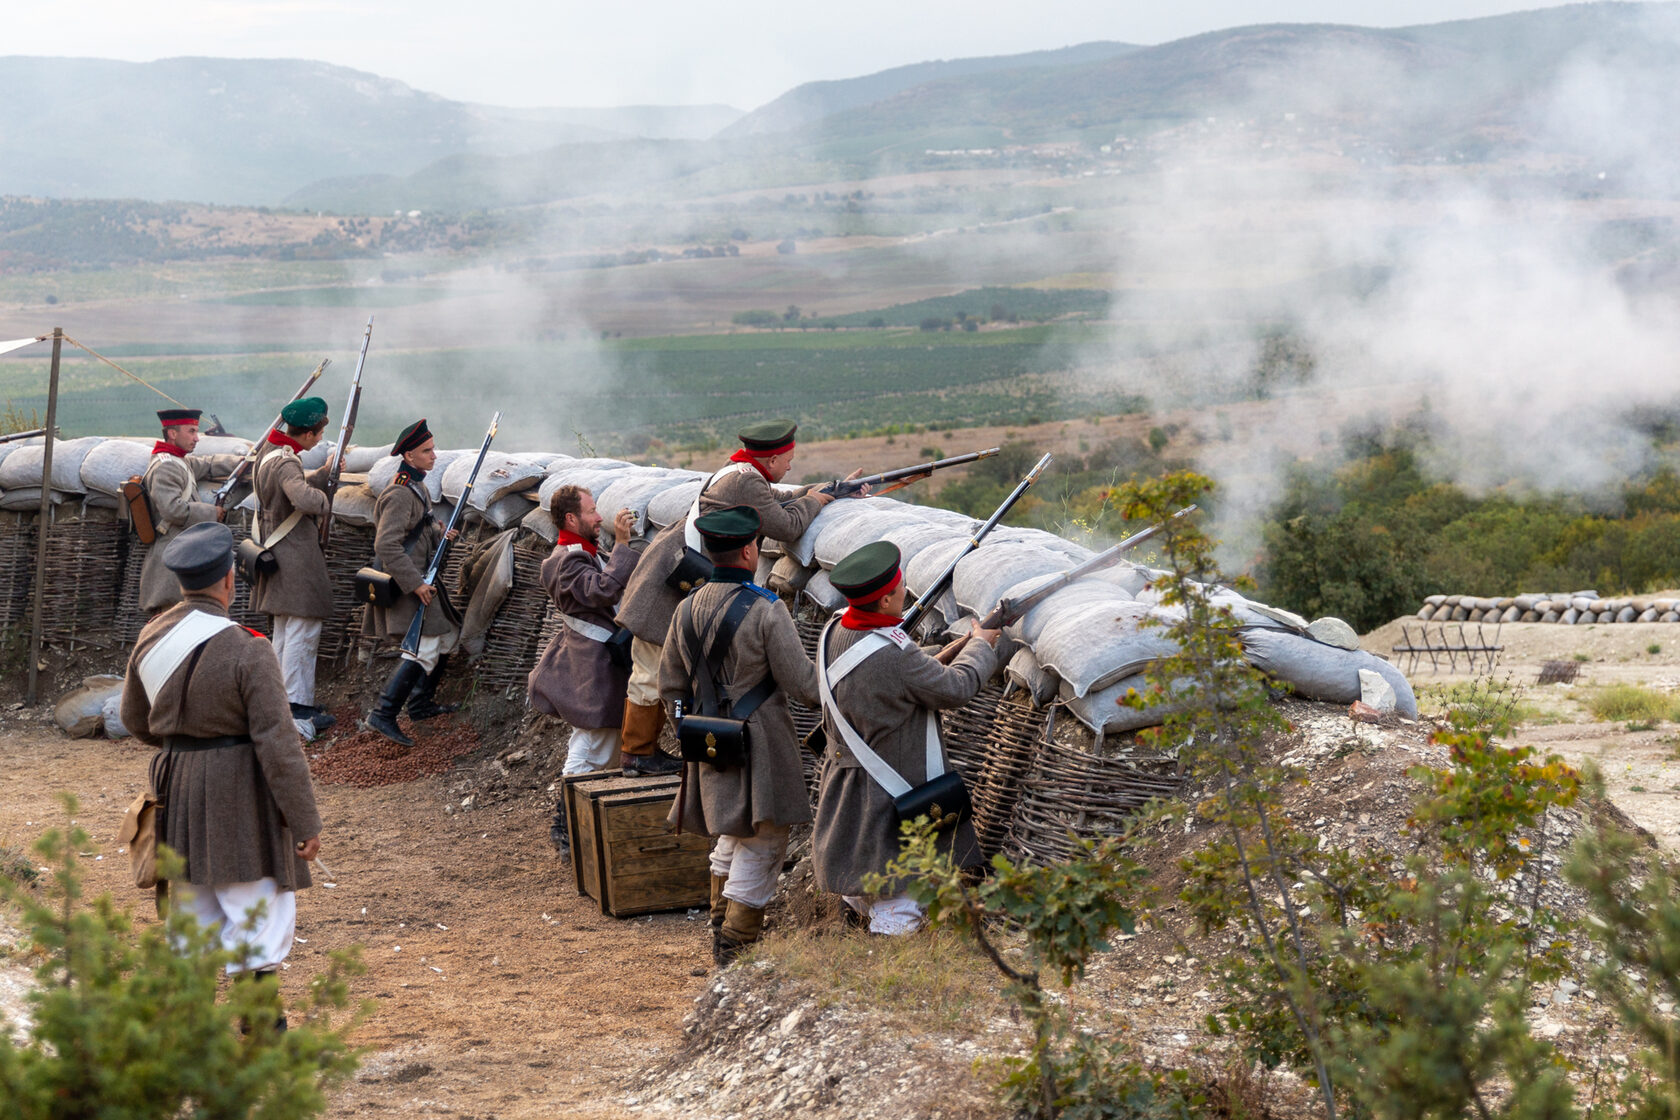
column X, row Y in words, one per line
column 340, row 297
column 686, row 391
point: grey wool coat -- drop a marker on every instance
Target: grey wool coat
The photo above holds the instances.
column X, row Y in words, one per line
column 234, row 814
column 172, row 491
column 574, row 678
column 770, row 788
column 649, row 604
column 884, row 699
column 300, row 587
column 401, row 506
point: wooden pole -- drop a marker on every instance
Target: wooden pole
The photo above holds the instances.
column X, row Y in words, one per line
column 43, row 517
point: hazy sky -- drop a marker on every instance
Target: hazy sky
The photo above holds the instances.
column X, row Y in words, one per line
column 739, row 52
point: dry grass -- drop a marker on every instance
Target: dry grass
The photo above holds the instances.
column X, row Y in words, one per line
column 1634, row 704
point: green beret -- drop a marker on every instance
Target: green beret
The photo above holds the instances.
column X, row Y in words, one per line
column 867, row 573
column 200, row 554
column 725, row 530
column 769, row 437
column 305, row 412
column 415, row 435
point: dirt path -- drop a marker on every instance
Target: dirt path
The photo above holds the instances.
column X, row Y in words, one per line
column 500, row 991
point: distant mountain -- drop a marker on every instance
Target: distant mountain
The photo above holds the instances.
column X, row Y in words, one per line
column 811, row 102
column 251, row 131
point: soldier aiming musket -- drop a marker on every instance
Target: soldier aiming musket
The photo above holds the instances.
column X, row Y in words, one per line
column 888, row 481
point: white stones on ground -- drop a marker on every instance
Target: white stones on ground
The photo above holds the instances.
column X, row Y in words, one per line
column 1376, row 691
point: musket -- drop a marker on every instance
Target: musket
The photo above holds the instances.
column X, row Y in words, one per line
column 904, row 476
column 335, row 465
column 30, row 434
column 411, row 640
column 926, row 599
column 245, row 464
column 1012, row 610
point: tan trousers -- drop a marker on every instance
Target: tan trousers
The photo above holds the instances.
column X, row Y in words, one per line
column 644, row 673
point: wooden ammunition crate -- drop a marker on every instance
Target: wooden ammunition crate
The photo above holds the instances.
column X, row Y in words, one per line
column 623, row 854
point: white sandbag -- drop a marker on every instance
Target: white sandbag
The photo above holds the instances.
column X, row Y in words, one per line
column 506, row 512
column 500, row 476
column 594, row 475
column 1086, row 598
column 538, row 522
column 1050, row 542
column 912, row 537
column 317, row 456
column 765, row 567
column 110, row 714
column 1092, row 648
column 671, row 505
column 634, row 489
column 853, row 523
column 223, row 445
column 788, row 577
column 820, row 591
column 1321, row 672
column 361, row 460
column 382, row 472
column 15, row 446
column 926, row 567
column 113, row 463
column 1101, row 709
column 81, row 712
column 354, row 505
column 1026, row 673
column 27, row 497
column 23, row 467
column 986, row 574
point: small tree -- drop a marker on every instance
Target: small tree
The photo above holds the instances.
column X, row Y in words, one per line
column 126, row 1025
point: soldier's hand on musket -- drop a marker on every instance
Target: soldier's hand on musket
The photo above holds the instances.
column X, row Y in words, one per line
column 976, row 631
column 221, row 513
column 624, row 523
column 452, row 534
column 309, row 849
column 424, row 593
column 835, row 490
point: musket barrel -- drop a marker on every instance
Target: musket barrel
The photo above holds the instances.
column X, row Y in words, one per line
column 926, row 468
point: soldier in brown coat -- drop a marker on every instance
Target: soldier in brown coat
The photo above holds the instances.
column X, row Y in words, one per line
column 575, row 678
column 887, row 699
column 765, row 457
column 238, row 806
column 748, row 808
column 297, row 595
column 405, row 536
column 171, row 479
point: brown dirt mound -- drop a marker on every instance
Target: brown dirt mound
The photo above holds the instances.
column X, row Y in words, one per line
column 351, row 756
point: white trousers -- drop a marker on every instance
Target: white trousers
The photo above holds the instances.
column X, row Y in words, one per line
column 895, row 916
column 432, row 647
column 590, row 749
column 233, row 907
column 644, row 673
column 296, row 641
column 752, row 864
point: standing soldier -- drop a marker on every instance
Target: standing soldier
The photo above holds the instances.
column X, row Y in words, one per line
column 766, row 456
column 297, row 595
column 172, row 478
column 888, row 698
column 575, row 679
column 237, row 804
column 742, row 637
column 404, row 537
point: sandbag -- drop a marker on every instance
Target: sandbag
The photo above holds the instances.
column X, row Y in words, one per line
column 671, row 505
column 540, row 524
column 920, row 573
column 1092, row 648
column 633, row 490
column 1026, row 673
column 851, row 523
column 382, row 472
column 29, row 497
column 1087, row 597
column 788, row 577
column 1321, row 672
column 354, row 505
column 912, row 537
column 500, row 476
column 361, row 460
column 506, row 512
column 106, row 467
column 594, row 475
column 317, row 456
column 81, row 712
column 1101, row 710
column 224, row 445
column 822, row 593
column 986, row 574
column 111, row 716
column 23, row 467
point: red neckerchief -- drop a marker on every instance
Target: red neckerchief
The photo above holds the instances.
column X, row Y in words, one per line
column 280, row 439
column 856, row 618
column 162, row 448
column 745, row 456
column 568, row 537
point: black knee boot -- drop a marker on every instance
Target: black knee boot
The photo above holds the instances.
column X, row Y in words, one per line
column 420, row 704
column 383, row 718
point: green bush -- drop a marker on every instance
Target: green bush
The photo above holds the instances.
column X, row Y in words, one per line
column 127, row 1024
column 1619, row 702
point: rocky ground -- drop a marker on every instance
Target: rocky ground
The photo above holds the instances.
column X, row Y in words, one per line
column 501, row 992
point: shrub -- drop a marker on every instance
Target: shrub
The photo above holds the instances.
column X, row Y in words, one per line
column 1629, row 702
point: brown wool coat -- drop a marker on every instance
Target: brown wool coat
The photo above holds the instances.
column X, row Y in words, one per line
column 574, row 678
column 648, row 604
column 856, row 833
column 770, row 789
column 301, row 587
column 396, row 512
column 172, row 488
column 234, row 814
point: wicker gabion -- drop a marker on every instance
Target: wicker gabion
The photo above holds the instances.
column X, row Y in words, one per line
column 349, row 549
column 84, row 553
column 966, row 731
column 1019, row 733
column 809, row 623
column 130, row 618
column 1072, row 793
column 17, row 563
column 515, row 636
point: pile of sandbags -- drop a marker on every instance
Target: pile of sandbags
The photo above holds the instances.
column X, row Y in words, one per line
column 1566, row 607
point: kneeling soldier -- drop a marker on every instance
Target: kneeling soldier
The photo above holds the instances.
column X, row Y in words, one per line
column 888, row 699
column 238, row 806
column 404, row 537
column 743, row 639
